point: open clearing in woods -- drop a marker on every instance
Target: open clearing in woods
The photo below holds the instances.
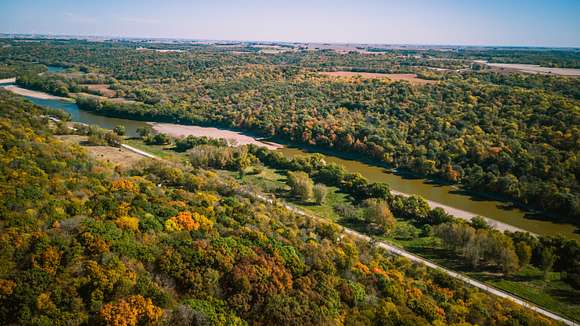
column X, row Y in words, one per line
column 411, row 78
column 102, row 98
column 103, row 89
column 114, row 155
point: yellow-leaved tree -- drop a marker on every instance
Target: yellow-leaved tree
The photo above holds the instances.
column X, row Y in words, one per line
column 188, row 221
column 131, row 311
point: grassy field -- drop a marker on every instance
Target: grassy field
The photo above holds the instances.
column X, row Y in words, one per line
column 529, row 284
column 411, row 78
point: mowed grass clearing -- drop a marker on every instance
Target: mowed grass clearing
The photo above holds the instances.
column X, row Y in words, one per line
column 273, row 181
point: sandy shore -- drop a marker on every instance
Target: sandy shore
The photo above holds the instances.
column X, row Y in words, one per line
column 176, row 130
column 412, row 257
column 7, row 80
column 35, row 94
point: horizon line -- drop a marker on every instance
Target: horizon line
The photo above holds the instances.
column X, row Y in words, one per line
column 116, row 37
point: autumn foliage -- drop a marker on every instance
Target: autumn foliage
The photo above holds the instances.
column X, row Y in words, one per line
column 187, row 221
column 133, row 310
column 82, row 243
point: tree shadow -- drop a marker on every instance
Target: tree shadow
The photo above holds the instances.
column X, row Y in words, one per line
column 285, row 194
column 85, row 143
column 281, row 172
column 355, row 224
column 538, row 216
column 568, row 296
column 475, row 197
column 524, row 278
column 442, row 256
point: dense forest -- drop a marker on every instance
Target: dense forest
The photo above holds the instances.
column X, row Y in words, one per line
column 511, row 135
column 159, row 243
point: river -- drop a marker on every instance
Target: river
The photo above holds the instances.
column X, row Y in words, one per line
column 446, row 195
column 79, row 115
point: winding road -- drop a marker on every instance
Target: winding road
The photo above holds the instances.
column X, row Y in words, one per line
column 401, row 252
column 416, row 259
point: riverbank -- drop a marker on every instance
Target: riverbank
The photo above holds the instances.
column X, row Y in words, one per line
column 176, row 130
column 7, row 81
column 485, row 284
column 36, row 94
column 452, row 198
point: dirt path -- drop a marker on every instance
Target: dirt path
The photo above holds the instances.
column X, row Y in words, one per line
column 138, row 151
column 416, row 259
column 177, row 130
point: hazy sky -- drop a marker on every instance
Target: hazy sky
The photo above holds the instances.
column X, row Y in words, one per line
column 485, row 22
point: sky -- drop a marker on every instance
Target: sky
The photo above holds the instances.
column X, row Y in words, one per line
column 446, row 22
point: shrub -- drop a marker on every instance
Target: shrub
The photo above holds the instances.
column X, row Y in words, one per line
column 320, row 192
column 301, row 185
column 377, row 213
column 120, row 130
column 128, row 223
column 347, row 211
